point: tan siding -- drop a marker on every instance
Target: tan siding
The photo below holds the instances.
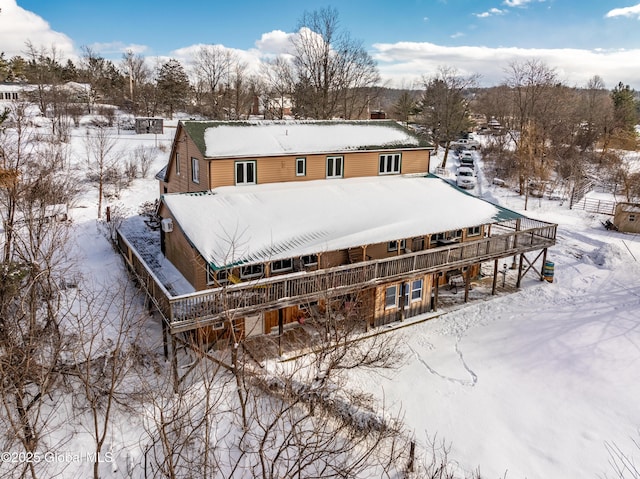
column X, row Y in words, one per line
column 333, row 258
column 283, row 168
column 186, row 149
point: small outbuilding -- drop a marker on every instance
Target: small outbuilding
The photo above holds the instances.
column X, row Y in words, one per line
column 627, row 217
column 149, row 125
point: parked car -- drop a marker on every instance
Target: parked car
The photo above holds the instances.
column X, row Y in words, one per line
column 466, row 178
column 464, row 142
column 468, row 162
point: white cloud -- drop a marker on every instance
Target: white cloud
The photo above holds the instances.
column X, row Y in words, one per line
column 275, row 42
column 518, row 3
column 19, row 26
column 404, row 62
column 457, row 35
column 491, row 12
column 633, row 11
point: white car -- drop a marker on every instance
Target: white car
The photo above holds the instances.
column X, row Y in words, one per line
column 466, row 178
column 465, row 143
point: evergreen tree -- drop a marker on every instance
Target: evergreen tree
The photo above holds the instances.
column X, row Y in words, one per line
column 173, row 86
column 624, row 107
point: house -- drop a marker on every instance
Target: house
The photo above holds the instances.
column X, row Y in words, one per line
column 627, row 217
column 271, row 221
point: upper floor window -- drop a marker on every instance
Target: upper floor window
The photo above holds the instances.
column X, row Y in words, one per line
column 334, row 166
column 632, row 217
column 301, row 166
column 245, row 172
column 195, row 170
column 177, row 163
column 389, row 164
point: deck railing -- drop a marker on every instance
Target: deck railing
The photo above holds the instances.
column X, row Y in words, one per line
column 201, row 308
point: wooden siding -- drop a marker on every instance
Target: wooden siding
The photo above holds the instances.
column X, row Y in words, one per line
column 283, row 168
column 186, row 149
column 183, row 256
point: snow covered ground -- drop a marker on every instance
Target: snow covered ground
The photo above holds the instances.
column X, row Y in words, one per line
column 536, row 384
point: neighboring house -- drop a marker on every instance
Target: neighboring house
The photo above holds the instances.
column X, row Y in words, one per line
column 11, row 92
column 627, row 217
column 268, row 221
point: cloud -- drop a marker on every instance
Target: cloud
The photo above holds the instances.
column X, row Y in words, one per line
column 519, row 3
column 457, row 35
column 491, row 12
column 404, row 62
column 633, row 11
column 275, row 42
column 19, row 26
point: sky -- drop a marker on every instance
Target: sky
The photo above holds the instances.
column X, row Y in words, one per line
column 409, row 39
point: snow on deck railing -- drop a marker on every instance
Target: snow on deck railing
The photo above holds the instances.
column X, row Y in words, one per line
column 204, row 307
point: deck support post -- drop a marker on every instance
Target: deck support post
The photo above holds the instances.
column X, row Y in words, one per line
column 520, row 270
column 544, row 260
column 495, row 277
column 174, row 364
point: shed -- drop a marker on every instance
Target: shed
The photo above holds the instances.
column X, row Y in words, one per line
column 627, row 217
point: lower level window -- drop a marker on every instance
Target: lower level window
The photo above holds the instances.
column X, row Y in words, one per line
column 393, row 245
column 391, row 297
column 252, row 271
column 217, row 277
column 281, row 265
column 310, row 260
column 416, row 290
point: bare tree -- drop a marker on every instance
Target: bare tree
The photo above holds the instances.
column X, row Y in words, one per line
column 331, row 69
column 445, row 109
column 137, row 73
column 101, row 158
column 213, row 65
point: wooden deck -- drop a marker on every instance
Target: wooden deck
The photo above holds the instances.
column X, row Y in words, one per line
column 202, row 308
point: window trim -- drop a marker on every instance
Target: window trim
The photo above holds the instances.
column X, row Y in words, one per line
column 389, row 164
column 177, row 163
column 195, row 170
column 245, row 163
column 303, row 161
column 334, row 163
column 395, row 297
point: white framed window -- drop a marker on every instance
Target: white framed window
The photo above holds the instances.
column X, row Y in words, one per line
column 391, row 297
column 281, row 265
column 416, row 290
column 177, row 163
column 245, row 172
column 335, row 166
column 252, row 271
column 389, row 164
column 474, row 231
column 195, row 170
column 393, row 245
column 301, row 167
column 220, row 276
column 309, row 260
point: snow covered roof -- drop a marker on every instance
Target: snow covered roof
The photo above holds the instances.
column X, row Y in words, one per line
column 259, row 223
column 217, row 139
